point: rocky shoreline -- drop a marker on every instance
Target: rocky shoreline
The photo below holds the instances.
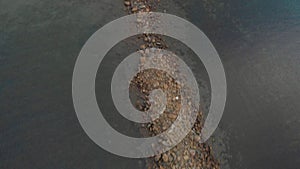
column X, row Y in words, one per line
column 189, row 153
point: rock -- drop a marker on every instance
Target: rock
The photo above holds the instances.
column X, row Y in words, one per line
column 165, row 158
column 143, row 46
column 193, row 152
column 145, row 39
column 165, row 86
column 127, row 3
column 142, row 60
column 185, row 157
column 172, row 116
column 157, row 157
column 170, row 158
column 156, row 84
column 134, row 9
column 197, row 138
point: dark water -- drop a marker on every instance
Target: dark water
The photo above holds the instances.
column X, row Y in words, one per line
column 258, row 42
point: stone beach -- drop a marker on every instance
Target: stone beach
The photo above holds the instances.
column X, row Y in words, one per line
column 189, row 153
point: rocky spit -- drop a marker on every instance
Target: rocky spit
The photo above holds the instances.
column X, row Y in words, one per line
column 189, row 153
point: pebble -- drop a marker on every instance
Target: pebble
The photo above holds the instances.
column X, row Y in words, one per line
column 165, row 158
column 156, row 84
column 134, row 9
column 197, row 138
column 172, row 116
column 143, row 46
column 127, row 3
column 145, row 39
column 157, row 157
column 142, row 60
column 185, row 157
column 193, row 152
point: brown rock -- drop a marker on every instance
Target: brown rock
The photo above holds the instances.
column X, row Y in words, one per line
column 142, row 60
column 134, row 9
column 165, row 157
column 157, row 157
column 143, row 46
column 172, row 116
column 197, row 138
column 127, row 3
column 193, row 152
